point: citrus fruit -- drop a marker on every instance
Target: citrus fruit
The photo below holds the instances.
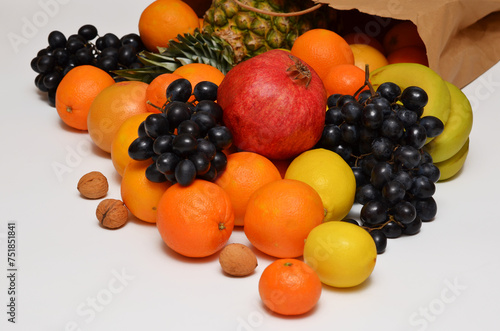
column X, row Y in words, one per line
column 280, row 215
column 344, row 79
column 366, row 54
column 195, row 220
column 112, row 107
column 322, row 49
column 163, row 20
column 127, row 133
column 409, row 54
column 140, row 195
column 245, row 172
column 402, row 34
column 289, row 287
column 341, row 253
column 365, row 39
column 156, row 95
column 330, row 176
column 77, row 90
column 197, row 72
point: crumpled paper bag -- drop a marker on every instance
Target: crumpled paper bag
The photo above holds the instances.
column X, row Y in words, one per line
column 462, row 37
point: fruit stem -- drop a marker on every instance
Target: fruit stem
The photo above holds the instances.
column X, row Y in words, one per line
column 221, row 226
column 366, row 83
column 152, row 104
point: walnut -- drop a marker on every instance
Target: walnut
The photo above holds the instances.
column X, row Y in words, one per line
column 237, row 260
column 93, row 185
column 112, row 213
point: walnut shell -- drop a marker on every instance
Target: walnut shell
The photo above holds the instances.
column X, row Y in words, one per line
column 112, row 213
column 93, row 185
column 237, row 260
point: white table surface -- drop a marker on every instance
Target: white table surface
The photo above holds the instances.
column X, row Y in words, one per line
column 74, row 275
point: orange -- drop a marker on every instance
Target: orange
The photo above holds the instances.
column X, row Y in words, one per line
column 289, row 287
column 156, row 91
column 76, row 91
column 112, row 107
column 322, row 49
column 364, row 39
column 366, row 54
column 280, row 215
column 140, row 195
column 400, row 35
column 126, row 134
column 197, row 72
column 163, row 20
column 344, row 79
column 195, row 220
column 409, row 54
column 245, row 172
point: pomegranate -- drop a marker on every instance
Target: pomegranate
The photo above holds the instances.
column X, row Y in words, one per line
column 274, row 104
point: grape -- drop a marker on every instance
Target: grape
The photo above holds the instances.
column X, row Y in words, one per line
column 211, row 108
column 134, row 40
column 404, row 212
column 126, row 55
column 156, row 125
column 330, row 137
column 184, row 144
column 332, row 100
column 364, row 96
column 201, row 163
column 204, row 121
column 205, row 90
column 211, row 174
column 349, row 133
column 57, row 39
column 84, row 56
column 393, row 192
column 141, row 148
column 433, row 126
column 334, row 116
column 415, row 136
column 430, row 171
column 167, row 162
column 404, row 178
column 381, row 174
column 407, row 117
column 207, row 148
column 380, row 240
column 422, row 187
column 179, row 90
column 413, row 227
column 219, row 161
column 51, row 97
column 426, row 208
column 110, row 40
column 383, row 104
column 382, row 148
column 359, row 175
column 392, row 128
column 344, row 150
column 350, row 220
column 110, row 51
column 220, row 136
column 107, row 63
column 185, row 172
column 408, row 156
column 374, row 212
column 372, row 116
column 88, row 31
column 74, row 44
column 189, row 126
column 367, row 193
column 163, row 144
column 389, row 90
column 52, row 79
column 342, row 100
column 367, row 163
column 351, row 112
column 392, row 230
column 154, row 175
column 177, row 112
column 414, row 98
column 46, row 63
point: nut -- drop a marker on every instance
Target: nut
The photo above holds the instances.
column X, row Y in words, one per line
column 93, row 185
column 237, row 260
column 112, row 213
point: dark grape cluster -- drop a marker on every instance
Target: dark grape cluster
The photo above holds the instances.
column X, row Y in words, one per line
column 186, row 140
column 86, row 47
column 380, row 134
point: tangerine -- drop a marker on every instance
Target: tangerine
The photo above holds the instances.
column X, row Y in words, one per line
column 280, row 215
column 289, row 287
column 163, row 20
column 195, row 220
column 409, row 54
column 322, row 49
column 156, row 92
column 112, row 107
column 77, row 90
column 402, row 34
column 344, row 79
column 125, row 135
column 245, row 172
column 140, row 195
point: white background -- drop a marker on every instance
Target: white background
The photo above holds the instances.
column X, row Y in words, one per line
column 444, row 278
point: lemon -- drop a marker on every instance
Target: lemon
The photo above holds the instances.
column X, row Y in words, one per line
column 330, row 176
column 341, row 253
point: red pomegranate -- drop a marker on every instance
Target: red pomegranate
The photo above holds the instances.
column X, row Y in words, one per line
column 274, row 104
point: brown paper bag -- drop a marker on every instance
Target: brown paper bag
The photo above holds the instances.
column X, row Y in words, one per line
column 462, row 37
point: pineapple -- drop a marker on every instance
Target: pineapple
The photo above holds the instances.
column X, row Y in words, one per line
column 232, row 34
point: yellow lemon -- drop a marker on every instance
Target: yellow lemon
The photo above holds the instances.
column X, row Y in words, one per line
column 330, row 176
column 366, row 54
column 341, row 253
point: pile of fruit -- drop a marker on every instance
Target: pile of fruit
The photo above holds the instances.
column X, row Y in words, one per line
column 273, row 123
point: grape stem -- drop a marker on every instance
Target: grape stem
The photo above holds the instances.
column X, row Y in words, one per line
column 366, row 83
column 152, row 104
column 391, row 219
